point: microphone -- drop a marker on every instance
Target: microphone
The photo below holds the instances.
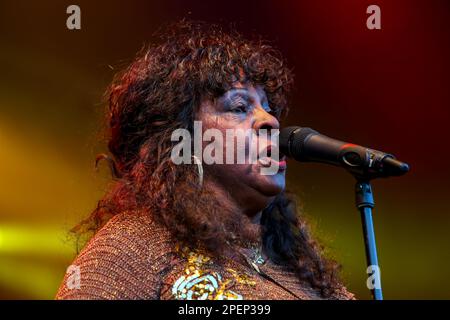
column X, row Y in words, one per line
column 308, row 145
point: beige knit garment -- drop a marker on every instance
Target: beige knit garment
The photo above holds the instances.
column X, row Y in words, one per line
column 133, row 257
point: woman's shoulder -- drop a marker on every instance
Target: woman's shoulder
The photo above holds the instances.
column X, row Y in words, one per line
column 138, row 225
column 124, row 260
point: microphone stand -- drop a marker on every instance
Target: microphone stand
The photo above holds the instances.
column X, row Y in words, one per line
column 365, row 203
column 305, row 144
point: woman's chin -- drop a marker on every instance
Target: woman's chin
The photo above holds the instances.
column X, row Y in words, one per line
column 271, row 185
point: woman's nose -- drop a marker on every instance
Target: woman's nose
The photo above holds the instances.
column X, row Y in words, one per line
column 264, row 120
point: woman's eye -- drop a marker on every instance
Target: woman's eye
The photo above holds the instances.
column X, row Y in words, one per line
column 240, row 108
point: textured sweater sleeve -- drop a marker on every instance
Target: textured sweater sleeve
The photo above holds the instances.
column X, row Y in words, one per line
column 126, row 259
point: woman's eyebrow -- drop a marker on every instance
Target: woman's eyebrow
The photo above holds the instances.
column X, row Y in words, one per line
column 239, row 92
column 235, row 90
column 244, row 93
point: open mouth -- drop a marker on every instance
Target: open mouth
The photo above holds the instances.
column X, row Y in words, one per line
column 266, row 158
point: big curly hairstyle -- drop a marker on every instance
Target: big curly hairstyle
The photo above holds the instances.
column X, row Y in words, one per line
column 161, row 91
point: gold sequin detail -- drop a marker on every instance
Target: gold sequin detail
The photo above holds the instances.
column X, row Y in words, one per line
column 242, row 278
column 199, row 284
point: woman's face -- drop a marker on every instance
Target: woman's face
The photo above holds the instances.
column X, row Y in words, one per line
column 245, row 107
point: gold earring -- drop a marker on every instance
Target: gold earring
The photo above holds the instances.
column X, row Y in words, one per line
column 200, row 169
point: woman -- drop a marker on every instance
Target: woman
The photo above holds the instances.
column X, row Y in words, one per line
column 197, row 230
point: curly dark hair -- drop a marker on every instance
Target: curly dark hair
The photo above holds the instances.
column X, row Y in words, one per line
column 160, row 92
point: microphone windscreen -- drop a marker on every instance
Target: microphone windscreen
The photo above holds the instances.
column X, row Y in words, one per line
column 292, row 140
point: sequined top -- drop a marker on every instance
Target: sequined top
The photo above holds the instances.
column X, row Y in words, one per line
column 133, row 257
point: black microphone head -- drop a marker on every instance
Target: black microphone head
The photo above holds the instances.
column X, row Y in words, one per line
column 393, row 167
column 285, row 137
column 292, row 140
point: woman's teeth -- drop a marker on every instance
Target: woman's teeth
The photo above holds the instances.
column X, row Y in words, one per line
column 265, row 162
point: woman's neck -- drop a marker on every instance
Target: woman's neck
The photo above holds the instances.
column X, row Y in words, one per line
column 250, row 221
